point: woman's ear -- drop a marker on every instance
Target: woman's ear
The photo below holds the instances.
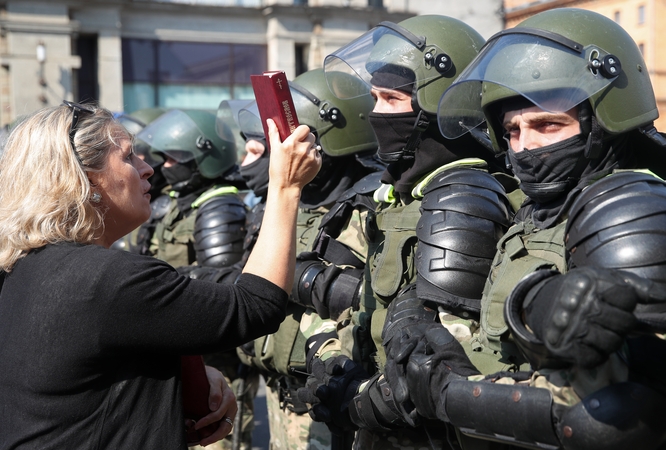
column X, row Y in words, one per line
column 92, row 179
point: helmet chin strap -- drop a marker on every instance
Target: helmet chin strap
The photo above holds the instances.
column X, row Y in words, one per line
column 421, row 124
column 590, row 127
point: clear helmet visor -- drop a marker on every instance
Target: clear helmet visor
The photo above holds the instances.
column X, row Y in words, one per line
column 131, row 124
column 386, row 56
column 227, row 125
column 249, row 121
column 554, row 76
column 175, row 135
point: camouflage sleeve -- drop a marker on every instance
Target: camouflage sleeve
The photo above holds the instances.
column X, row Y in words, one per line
column 313, row 326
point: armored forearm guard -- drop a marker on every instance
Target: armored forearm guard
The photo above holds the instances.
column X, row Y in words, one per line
column 328, row 289
column 618, row 223
column 374, row 407
column 617, row 417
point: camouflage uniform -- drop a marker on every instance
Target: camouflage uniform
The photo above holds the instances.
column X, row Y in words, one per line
column 281, row 356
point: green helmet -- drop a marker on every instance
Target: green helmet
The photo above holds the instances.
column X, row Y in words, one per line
column 341, row 126
column 556, row 60
column 137, row 121
column 190, row 135
column 422, row 54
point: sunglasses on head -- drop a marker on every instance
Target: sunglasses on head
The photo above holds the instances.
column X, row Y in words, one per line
column 77, row 109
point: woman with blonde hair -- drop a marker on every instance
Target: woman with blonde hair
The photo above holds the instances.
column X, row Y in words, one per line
column 91, row 338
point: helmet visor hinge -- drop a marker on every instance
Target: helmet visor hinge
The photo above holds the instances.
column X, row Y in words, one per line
column 203, row 143
column 440, row 61
column 329, row 114
column 609, row 66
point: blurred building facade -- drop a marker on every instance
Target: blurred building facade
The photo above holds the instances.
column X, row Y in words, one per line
column 644, row 20
column 131, row 54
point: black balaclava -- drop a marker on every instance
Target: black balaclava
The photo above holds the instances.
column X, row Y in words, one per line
column 394, row 131
column 554, row 175
column 432, row 151
column 255, row 175
column 185, row 179
column 337, row 174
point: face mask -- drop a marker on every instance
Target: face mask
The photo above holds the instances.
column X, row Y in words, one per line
column 183, row 177
column 255, row 175
column 392, row 131
column 176, row 173
column 550, row 172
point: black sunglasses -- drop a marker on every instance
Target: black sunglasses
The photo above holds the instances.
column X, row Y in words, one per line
column 77, row 109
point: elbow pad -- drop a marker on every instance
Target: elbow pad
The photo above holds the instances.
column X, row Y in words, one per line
column 329, row 290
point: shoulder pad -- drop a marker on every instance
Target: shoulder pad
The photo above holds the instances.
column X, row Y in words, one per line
column 253, row 225
column 219, row 230
column 465, row 176
column 468, row 191
column 618, row 223
column 359, row 196
column 159, row 207
column 365, row 186
column 464, row 214
column 368, row 184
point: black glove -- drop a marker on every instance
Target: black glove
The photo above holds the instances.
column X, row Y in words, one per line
column 436, row 360
column 583, row 316
column 651, row 308
column 407, row 321
column 329, row 389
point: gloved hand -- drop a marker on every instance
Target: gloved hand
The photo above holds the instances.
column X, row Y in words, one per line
column 583, row 316
column 407, row 321
column 651, row 308
column 436, row 360
column 329, row 389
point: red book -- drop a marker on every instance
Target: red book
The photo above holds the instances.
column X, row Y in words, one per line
column 271, row 91
column 195, row 389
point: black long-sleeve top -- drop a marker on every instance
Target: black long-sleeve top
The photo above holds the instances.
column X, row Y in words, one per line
column 90, row 345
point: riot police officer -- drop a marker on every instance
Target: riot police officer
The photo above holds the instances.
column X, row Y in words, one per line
column 577, row 286
column 331, row 247
column 433, row 234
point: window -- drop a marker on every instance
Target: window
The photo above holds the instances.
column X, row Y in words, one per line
column 641, row 14
column 187, row 74
column 376, row 3
column 302, row 53
column 641, row 47
column 616, row 17
column 86, row 87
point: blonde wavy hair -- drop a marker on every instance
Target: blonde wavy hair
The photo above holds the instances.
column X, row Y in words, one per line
column 44, row 188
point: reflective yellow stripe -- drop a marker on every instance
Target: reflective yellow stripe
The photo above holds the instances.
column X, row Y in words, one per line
column 214, row 193
column 384, row 194
column 417, row 192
